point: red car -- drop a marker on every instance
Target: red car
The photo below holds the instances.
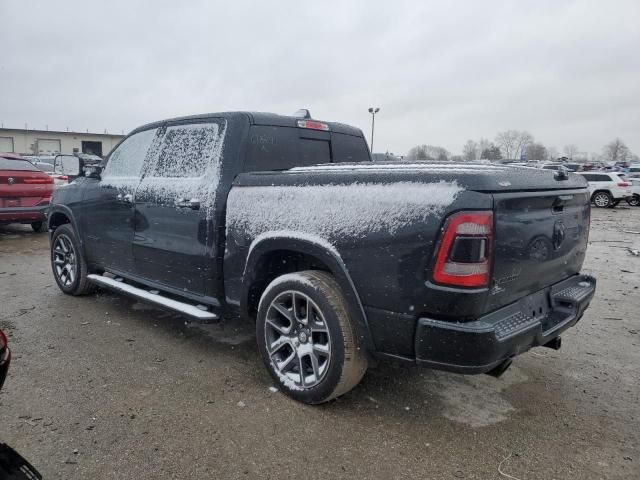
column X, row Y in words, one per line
column 25, row 192
column 5, row 358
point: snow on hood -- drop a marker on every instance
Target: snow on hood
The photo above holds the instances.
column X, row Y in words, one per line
column 336, row 211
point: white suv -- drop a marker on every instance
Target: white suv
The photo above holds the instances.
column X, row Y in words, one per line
column 607, row 189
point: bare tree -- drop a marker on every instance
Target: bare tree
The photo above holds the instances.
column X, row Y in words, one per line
column 471, row 150
column 428, row 152
column 483, row 144
column 492, row 152
column 570, row 151
column 507, row 142
column 513, row 143
column 616, row 151
column 536, row 151
column 552, row 153
column 417, row 153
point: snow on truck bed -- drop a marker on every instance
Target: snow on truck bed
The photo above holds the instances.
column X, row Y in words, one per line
column 336, row 210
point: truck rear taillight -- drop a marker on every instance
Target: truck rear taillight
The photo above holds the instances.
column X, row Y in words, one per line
column 313, row 125
column 623, row 184
column 463, row 257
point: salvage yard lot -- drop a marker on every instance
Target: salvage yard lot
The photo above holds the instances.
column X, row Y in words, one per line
column 107, row 387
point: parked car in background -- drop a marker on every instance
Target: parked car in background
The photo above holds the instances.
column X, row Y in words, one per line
column 25, row 192
column 337, row 259
column 634, row 171
column 553, row 166
column 607, row 189
column 48, row 168
column 634, row 199
column 573, row 167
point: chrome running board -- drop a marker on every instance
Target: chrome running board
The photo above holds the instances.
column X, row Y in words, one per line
column 153, row 296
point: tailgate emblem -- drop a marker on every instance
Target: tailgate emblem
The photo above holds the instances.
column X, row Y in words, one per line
column 10, row 180
column 559, row 233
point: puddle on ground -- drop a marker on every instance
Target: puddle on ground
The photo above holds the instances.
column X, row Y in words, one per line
column 475, row 400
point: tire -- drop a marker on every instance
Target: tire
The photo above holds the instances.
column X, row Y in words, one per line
column 602, row 199
column 37, row 226
column 634, row 201
column 283, row 320
column 68, row 264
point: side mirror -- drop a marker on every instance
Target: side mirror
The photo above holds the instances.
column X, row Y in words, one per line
column 70, row 165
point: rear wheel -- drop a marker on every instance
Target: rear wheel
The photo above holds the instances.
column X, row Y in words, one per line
column 306, row 338
column 602, row 199
column 37, row 226
column 634, row 201
column 68, row 264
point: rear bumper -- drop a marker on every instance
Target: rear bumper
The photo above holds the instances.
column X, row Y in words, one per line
column 24, row 214
column 481, row 345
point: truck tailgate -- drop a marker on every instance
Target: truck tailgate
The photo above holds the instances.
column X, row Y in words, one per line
column 540, row 239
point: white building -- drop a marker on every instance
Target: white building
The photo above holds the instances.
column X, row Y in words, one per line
column 47, row 142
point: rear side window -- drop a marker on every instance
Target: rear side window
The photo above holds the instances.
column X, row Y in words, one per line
column 15, row 164
column 125, row 162
column 349, row 148
column 184, row 164
column 186, row 151
column 594, row 177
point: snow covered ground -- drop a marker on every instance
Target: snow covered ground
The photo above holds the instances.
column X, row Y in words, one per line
column 105, row 387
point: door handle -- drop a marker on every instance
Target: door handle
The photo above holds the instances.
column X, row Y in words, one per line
column 193, row 204
column 128, row 198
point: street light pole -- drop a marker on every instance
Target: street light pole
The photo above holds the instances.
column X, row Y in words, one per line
column 373, row 112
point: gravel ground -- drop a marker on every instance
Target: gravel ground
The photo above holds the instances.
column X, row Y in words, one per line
column 106, row 387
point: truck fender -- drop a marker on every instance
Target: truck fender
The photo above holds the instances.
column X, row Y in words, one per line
column 66, row 211
column 321, row 250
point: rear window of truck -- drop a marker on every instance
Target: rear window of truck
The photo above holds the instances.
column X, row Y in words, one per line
column 282, row 148
column 349, row 148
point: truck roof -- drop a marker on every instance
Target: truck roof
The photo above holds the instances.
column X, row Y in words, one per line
column 257, row 118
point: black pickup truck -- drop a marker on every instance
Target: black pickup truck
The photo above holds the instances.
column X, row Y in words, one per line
column 339, row 260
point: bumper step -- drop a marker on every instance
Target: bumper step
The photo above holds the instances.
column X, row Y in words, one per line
column 155, row 298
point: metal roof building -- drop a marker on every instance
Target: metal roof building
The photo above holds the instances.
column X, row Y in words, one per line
column 48, row 142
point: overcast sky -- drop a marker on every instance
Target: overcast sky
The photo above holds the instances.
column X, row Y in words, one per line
column 441, row 73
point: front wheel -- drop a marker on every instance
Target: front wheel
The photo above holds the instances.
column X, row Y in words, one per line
column 634, row 201
column 306, row 338
column 68, row 265
column 602, row 200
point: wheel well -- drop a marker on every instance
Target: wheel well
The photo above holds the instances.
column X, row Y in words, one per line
column 273, row 264
column 57, row 219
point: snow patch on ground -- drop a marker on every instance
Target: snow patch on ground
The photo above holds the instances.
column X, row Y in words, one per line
column 337, row 210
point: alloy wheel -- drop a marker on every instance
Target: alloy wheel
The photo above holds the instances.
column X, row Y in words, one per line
column 64, row 260
column 297, row 339
column 601, row 200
